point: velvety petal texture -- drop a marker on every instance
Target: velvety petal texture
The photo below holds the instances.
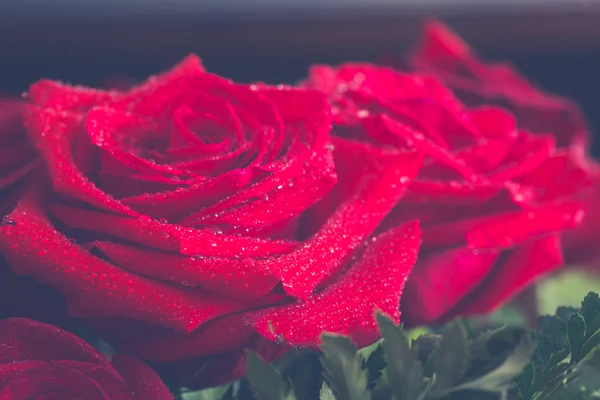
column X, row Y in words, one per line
column 498, row 187
column 188, row 217
column 39, row 361
column 444, row 54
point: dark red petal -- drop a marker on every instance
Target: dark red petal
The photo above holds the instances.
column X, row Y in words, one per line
column 439, row 281
column 164, row 346
column 348, row 306
column 63, row 379
column 52, row 133
column 519, row 270
column 23, row 339
column 94, row 287
column 510, row 229
column 144, row 382
column 219, row 274
column 442, row 52
column 382, row 178
column 168, row 237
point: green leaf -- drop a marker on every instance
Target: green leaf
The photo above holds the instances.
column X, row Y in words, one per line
column 375, row 365
column 342, row 367
column 555, row 329
column 304, row 374
column 264, row 380
column 564, row 313
column 218, row 393
column 524, row 382
column 500, row 379
column 326, row 393
column 555, row 366
column 424, row 348
column 575, row 335
column 229, row 393
column 591, row 344
column 590, row 309
column 405, row 372
column 451, row 358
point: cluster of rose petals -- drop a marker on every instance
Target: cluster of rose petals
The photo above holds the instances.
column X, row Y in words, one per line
column 189, row 217
column 444, row 54
column 39, row 361
column 498, row 186
column 177, row 217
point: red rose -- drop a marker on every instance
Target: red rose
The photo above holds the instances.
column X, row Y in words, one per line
column 41, row 361
column 494, row 194
column 446, row 55
column 182, row 204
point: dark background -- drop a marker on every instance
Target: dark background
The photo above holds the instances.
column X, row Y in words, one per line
column 556, row 44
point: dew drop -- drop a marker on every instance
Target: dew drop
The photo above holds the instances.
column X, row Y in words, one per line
column 215, row 229
column 6, row 221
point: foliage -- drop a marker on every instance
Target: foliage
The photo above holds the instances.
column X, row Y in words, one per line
column 559, row 360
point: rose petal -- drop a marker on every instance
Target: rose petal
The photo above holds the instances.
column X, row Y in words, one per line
column 444, row 53
column 420, row 142
column 94, row 287
column 116, row 133
column 24, row 339
column 52, row 132
column 161, row 345
column 348, row 306
column 169, row 237
column 526, row 154
column 559, row 176
column 287, row 200
column 441, row 280
column 141, row 379
column 519, row 270
column 219, row 274
column 381, row 183
column 61, row 380
column 451, row 192
column 510, row 229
